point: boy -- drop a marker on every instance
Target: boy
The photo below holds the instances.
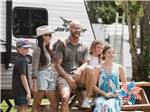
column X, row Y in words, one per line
column 20, row 81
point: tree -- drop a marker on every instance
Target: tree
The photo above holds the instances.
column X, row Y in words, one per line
column 133, row 11
column 106, row 10
column 145, row 39
column 138, row 13
column 137, row 16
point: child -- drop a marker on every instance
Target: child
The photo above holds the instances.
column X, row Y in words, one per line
column 20, row 82
column 108, row 76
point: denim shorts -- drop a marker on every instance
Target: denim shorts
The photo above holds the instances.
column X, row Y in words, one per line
column 46, row 80
column 20, row 100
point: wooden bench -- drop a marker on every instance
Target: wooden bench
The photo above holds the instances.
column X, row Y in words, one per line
column 142, row 105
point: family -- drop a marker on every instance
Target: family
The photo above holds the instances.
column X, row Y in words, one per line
column 74, row 66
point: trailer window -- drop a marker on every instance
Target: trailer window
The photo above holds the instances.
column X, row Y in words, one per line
column 27, row 19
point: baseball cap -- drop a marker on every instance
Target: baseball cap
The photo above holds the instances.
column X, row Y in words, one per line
column 23, row 43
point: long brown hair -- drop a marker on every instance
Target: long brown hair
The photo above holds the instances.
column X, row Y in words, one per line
column 105, row 48
column 43, row 60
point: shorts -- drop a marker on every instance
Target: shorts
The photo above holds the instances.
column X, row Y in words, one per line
column 46, row 80
column 61, row 82
column 20, row 100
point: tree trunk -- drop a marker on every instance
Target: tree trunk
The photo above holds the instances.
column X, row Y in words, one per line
column 132, row 27
column 145, row 39
column 145, row 45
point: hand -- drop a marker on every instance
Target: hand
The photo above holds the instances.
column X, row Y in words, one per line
column 76, row 77
column 71, row 82
column 28, row 95
column 115, row 95
column 109, row 95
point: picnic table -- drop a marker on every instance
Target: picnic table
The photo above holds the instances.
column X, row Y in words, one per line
column 142, row 105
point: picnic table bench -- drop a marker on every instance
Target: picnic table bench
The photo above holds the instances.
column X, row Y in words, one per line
column 142, row 105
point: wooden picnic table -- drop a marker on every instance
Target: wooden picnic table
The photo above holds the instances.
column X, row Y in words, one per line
column 143, row 105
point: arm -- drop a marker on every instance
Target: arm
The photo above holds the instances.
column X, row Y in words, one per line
column 83, row 62
column 96, row 88
column 25, row 85
column 83, row 66
column 84, row 58
column 122, row 74
column 35, row 64
column 60, row 69
column 64, row 74
column 22, row 70
column 58, row 58
column 59, row 53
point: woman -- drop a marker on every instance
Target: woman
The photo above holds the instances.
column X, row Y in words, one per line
column 108, row 75
column 42, row 74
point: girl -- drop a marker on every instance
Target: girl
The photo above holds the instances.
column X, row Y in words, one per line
column 95, row 53
column 108, row 75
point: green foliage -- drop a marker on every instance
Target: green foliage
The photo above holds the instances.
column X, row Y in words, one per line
column 106, row 10
column 134, row 12
column 133, row 8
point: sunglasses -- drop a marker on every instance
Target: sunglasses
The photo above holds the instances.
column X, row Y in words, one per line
column 48, row 35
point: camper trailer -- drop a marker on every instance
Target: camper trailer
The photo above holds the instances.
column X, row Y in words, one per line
column 20, row 18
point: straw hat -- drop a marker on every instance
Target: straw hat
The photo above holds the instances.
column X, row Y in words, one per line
column 42, row 30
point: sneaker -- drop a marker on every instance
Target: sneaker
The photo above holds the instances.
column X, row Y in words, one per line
column 86, row 103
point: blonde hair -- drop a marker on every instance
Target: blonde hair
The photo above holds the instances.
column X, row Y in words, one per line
column 94, row 44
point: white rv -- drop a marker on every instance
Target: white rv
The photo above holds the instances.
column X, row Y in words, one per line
column 19, row 19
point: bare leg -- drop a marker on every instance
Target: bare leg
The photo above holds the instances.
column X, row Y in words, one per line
column 87, row 78
column 52, row 96
column 37, row 100
column 22, row 108
column 64, row 94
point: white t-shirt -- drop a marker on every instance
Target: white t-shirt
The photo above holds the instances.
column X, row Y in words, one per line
column 94, row 61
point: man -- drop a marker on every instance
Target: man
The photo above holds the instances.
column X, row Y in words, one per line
column 68, row 57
